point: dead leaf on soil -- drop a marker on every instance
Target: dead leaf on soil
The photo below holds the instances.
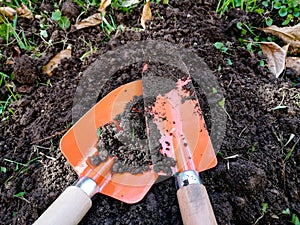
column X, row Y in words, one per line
column 294, row 63
column 146, row 14
column 23, row 11
column 7, row 12
column 94, row 19
column 290, row 35
column 56, row 60
column 103, row 5
column 91, row 21
column 276, row 56
column 16, row 52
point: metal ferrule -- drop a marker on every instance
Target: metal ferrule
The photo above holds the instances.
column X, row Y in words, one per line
column 88, row 185
column 187, row 177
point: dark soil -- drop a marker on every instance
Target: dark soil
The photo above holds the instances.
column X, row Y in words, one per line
column 264, row 169
column 126, row 139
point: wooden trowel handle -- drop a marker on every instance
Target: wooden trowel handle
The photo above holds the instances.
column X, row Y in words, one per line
column 68, row 209
column 195, row 205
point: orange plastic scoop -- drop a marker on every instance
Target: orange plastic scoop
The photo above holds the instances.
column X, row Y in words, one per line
column 77, row 145
column 80, row 143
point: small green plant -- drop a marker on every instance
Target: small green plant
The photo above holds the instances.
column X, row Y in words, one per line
column 248, row 6
column 98, row 131
column 286, row 211
column 165, row 2
column 245, row 28
column 85, row 5
column 295, row 219
column 289, row 154
column 229, row 62
column 124, row 5
column 20, row 167
column 264, row 208
column 6, row 100
column 223, row 48
column 221, row 103
column 288, row 9
column 253, row 147
column 20, row 194
column 3, row 169
column 63, row 22
column 214, row 90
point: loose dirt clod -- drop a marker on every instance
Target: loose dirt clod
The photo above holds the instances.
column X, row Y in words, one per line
column 25, row 71
column 70, row 10
column 129, row 143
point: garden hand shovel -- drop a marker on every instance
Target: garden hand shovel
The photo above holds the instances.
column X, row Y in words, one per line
column 78, row 145
column 184, row 137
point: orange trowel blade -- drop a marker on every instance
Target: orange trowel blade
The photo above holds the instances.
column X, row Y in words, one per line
column 80, row 142
column 177, row 115
column 184, row 136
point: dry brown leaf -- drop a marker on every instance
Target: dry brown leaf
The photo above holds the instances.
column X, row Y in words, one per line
column 276, row 56
column 146, row 14
column 290, row 35
column 23, row 11
column 294, row 63
column 92, row 20
column 56, row 60
column 16, row 52
column 103, row 5
column 7, row 12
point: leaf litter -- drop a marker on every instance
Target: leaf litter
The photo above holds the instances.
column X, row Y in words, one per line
column 146, row 14
column 56, row 60
column 277, row 56
column 23, row 11
column 290, row 35
column 7, row 12
column 96, row 18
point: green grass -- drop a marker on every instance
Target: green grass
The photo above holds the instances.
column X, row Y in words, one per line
column 109, row 25
column 289, row 154
column 9, row 29
column 20, row 168
column 8, row 99
column 289, row 10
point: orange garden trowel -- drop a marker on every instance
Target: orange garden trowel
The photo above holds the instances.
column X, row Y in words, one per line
column 80, row 143
column 177, row 115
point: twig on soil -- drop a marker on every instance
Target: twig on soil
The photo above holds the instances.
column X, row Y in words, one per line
column 48, row 157
column 263, row 210
column 231, row 157
column 51, row 136
column 243, row 131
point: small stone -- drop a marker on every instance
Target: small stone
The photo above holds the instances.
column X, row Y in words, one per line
column 103, row 155
column 95, row 160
